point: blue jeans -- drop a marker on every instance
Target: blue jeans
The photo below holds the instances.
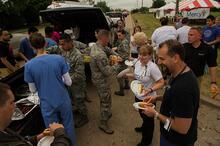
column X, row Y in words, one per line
column 164, row 142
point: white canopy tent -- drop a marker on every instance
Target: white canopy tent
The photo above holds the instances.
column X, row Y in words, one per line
column 166, row 10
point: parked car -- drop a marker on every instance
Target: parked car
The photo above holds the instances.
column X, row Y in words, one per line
column 115, row 16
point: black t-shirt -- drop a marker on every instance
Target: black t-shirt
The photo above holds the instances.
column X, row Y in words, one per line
column 5, row 52
column 181, row 99
column 197, row 58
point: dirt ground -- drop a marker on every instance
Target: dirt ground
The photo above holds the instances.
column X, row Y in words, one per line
column 125, row 118
column 123, row 121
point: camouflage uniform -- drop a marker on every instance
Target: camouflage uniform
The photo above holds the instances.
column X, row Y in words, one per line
column 116, row 42
column 108, row 51
column 128, row 36
column 123, row 52
column 79, row 45
column 77, row 74
column 54, row 50
column 101, row 70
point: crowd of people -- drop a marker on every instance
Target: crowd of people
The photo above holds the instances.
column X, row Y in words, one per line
column 55, row 69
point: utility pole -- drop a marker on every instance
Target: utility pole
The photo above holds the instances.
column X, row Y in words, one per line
column 177, row 6
column 142, row 3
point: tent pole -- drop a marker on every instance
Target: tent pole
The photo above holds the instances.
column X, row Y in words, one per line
column 177, row 6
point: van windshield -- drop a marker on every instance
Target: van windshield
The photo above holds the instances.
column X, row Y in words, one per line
column 114, row 15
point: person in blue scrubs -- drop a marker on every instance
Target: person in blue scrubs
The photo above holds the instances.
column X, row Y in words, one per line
column 47, row 75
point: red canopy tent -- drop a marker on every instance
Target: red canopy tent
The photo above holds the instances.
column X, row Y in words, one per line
column 193, row 4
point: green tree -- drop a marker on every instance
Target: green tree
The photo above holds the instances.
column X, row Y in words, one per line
column 158, row 3
column 103, row 6
column 21, row 11
column 13, row 6
column 39, row 4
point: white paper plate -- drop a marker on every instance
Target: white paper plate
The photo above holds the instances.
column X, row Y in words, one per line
column 135, row 88
column 136, row 105
column 129, row 63
column 46, row 141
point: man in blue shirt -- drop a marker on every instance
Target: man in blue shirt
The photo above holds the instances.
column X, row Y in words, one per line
column 210, row 33
column 25, row 50
column 47, row 75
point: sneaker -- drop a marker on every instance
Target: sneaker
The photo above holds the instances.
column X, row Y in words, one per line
column 138, row 129
column 119, row 93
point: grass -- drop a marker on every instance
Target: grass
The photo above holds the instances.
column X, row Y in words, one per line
column 215, row 14
column 149, row 23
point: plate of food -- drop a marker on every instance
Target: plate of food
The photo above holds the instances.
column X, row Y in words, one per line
column 23, row 108
column 138, row 89
column 46, row 141
column 143, row 105
column 129, row 63
column 113, row 59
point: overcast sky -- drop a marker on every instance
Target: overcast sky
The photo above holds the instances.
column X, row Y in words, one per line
column 128, row 4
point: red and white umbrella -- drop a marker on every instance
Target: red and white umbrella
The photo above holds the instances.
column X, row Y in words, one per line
column 192, row 4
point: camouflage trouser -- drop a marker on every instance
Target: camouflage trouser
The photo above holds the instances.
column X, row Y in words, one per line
column 78, row 95
column 85, row 91
column 104, row 93
column 121, row 81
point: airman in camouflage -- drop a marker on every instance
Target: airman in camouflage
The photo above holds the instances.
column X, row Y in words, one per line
column 120, row 26
column 57, row 50
column 123, row 52
column 101, row 71
column 77, row 74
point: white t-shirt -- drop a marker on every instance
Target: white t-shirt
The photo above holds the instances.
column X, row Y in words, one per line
column 148, row 74
column 162, row 34
column 183, row 34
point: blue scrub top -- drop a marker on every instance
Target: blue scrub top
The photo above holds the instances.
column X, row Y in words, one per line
column 46, row 72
